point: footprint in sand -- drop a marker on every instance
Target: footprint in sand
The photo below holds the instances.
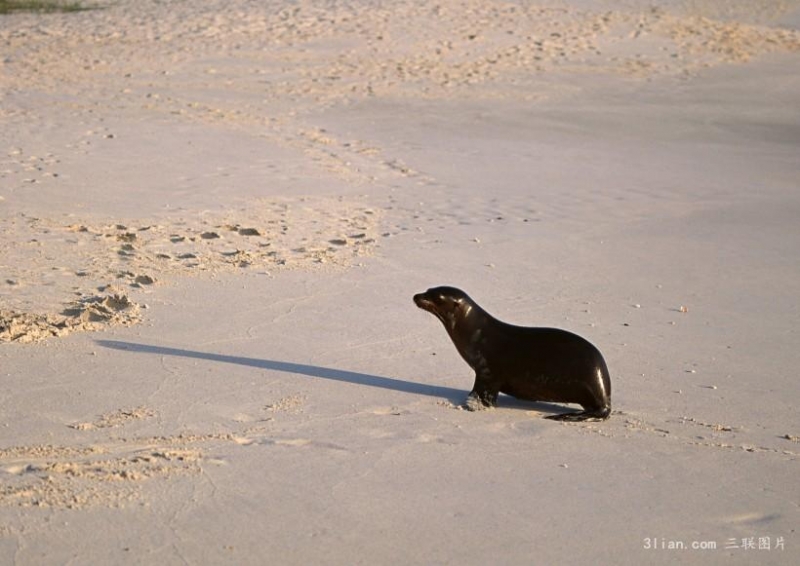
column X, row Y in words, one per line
column 116, row 418
column 289, row 404
column 137, row 255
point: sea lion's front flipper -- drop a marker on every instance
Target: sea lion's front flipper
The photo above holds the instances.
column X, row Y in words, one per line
column 482, row 396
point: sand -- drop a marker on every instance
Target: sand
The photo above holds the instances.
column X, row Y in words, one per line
column 213, row 217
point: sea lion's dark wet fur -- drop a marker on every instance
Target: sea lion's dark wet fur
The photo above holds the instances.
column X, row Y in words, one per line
column 534, row 364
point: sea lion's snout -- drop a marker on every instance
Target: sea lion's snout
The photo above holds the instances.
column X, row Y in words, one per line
column 439, row 300
column 422, row 301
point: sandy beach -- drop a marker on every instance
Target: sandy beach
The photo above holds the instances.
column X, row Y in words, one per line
column 214, row 216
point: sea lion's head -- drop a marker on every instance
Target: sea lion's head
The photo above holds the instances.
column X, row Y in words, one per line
column 448, row 304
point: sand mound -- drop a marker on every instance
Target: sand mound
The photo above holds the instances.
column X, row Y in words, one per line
column 88, row 313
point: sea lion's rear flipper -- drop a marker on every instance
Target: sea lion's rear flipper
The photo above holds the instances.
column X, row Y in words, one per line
column 600, row 414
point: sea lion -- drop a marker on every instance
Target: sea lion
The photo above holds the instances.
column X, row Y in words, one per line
column 534, row 364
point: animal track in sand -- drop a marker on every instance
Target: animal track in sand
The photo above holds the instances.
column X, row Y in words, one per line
column 717, row 437
column 303, row 443
column 90, row 312
column 293, row 442
column 105, row 474
column 47, row 260
column 325, row 53
column 116, row 418
column 394, row 411
column 113, row 472
column 425, row 438
column 289, row 404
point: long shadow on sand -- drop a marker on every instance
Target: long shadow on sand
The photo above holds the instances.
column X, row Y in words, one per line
column 455, row 396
